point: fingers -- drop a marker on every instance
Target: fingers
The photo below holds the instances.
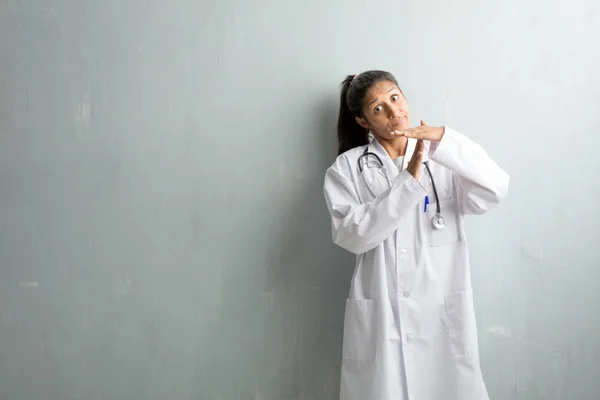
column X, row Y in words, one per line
column 425, row 132
column 414, row 165
column 418, row 152
column 409, row 133
column 413, row 133
column 416, row 132
column 417, row 156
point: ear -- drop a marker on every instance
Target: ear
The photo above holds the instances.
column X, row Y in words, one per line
column 362, row 122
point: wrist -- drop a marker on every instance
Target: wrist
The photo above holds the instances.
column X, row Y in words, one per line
column 441, row 130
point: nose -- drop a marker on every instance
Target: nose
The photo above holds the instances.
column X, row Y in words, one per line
column 393, row 112
column 394, row 115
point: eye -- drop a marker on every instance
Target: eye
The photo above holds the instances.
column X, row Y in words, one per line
column 377, row 109
column 395, row 97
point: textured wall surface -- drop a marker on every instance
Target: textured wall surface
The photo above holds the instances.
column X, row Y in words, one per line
column 163, row 233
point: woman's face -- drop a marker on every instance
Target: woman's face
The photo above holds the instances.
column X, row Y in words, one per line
column 385, row 110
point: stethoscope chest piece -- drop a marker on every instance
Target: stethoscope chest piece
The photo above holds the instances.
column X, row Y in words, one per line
column 437, row 221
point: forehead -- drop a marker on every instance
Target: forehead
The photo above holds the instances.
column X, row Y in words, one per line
column 379, row 90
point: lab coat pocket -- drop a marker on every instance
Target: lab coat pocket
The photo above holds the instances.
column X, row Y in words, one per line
column 451, row 233
column 461, row 323
column 360, row 330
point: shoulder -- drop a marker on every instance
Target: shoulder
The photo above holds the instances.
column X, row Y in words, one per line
column 347, row 161
column 344, row 170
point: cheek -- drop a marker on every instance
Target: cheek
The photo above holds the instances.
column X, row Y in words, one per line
column 381, row 129
column 380, row 120
column 379, row 125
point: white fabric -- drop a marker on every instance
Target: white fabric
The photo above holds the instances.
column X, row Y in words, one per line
column 398, row 162
column 410, row 331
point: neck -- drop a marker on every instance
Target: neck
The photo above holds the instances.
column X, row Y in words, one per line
column 395, row 147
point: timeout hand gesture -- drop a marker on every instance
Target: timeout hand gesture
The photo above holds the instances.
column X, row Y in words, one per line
column 423, row 132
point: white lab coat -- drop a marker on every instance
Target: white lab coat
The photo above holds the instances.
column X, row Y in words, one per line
column 409, row 330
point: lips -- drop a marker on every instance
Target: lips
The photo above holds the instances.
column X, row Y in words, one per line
column 400, row 122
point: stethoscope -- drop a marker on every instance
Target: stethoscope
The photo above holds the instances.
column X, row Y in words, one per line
column 437, row 221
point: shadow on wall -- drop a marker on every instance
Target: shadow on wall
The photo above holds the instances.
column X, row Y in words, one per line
column 314, row 275
column 285, row 342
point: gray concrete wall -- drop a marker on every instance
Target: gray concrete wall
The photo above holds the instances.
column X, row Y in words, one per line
column 163, row 233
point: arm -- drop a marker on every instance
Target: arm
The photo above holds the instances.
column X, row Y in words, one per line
column 359, row 228
column 481, row 183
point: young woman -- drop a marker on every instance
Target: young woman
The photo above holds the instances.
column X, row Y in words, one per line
column 397, row 196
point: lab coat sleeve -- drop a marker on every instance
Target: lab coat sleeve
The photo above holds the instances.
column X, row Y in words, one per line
column 358, row 227
column 481, row 183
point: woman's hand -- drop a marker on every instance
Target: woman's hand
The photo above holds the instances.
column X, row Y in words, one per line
column 423, row 132
column 414, row 165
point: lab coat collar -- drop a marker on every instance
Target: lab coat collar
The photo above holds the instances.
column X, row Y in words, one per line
column 378, row 180
column 389, row 166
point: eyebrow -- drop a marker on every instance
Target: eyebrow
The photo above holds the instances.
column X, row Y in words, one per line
column 394, row 88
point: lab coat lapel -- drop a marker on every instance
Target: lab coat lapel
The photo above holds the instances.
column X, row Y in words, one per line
column 378, row 180
column 388, row 164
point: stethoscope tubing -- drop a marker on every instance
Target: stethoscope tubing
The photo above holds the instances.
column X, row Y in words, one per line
column 437, row 221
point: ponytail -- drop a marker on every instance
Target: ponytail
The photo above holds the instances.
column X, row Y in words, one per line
column 353, row 93
column 350, row 133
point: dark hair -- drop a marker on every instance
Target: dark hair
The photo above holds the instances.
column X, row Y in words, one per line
column 354, row 90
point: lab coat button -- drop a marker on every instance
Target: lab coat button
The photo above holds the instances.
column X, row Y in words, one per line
column 406, row 294
column 409, row 337
column 403, row 251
